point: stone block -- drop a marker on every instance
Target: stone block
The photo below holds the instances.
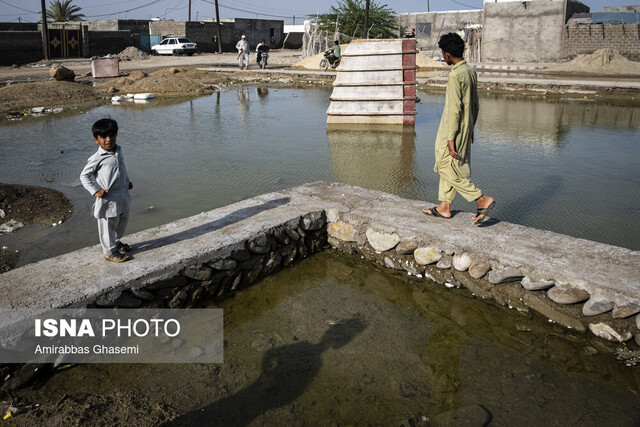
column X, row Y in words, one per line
column 202, row 272
column 462, row 262
column 607, row 332
column 536, row 284
column 504, row 275
column 567, row 294
column 445, row 263
column 596, row 306
column 342, row 231
column 480, row 288
column 174, row 282
column 224, row 264
column 479, row 269
column 406, row 248
column 143, row 294
column 58, row 72
column 381, row 241
column 241, row 255
column 313, row 221
column 625, row 311
column 428, row 255
column 551, row 311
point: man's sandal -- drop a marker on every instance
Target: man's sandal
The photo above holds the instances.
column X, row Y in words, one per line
column 434, row 212
column 123, row 247
column 484, row 212
column 116, row 257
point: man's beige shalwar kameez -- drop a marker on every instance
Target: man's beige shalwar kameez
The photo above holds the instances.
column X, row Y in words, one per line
column 457, row 123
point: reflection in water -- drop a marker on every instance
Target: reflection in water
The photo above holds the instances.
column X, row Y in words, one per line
column 380, row 158
column 243, row 102
column 262, row 93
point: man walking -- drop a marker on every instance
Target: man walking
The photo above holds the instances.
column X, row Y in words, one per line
column 243, row 52
column 455, row 135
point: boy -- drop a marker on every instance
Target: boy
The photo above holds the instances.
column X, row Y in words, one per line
column 105, row 177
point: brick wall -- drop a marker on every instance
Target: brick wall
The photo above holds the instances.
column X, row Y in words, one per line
column 581, row 38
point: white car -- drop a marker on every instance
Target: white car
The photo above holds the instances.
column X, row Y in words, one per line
column 174, row 46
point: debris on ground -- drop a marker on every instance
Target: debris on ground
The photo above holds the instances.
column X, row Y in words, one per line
column 132, row 53
column 602, row 61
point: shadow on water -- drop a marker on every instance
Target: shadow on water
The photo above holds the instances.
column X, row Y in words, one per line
column 236, row 216
column 286, row 373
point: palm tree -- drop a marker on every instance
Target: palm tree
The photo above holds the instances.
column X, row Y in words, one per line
column 63, row 11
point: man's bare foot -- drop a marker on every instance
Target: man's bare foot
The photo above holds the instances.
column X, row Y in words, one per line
column 485, row 204
column 440, row 211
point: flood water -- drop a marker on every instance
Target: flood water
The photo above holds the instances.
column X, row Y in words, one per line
column 569, row 166
column 335, row 341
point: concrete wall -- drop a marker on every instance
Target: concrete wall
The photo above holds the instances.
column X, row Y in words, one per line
column 18, row 26
column 20, row 47
column 580, row 38
column 259, row 29
column 436, row 24
column 102, row 43
column 523, row 31
column 167, row 28
column 631, row 9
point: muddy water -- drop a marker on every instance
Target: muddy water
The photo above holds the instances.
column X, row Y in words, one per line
column 335, row 341
column 568, row 166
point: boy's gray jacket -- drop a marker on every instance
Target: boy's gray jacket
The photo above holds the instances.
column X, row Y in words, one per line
column 105, row 170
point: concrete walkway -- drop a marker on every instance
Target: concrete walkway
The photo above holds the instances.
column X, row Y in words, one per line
column 74, row 279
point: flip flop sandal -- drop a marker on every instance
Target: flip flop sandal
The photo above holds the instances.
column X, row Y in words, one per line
column 123, row 247
column 484, row 212
column 435, row 213
column 116, row 257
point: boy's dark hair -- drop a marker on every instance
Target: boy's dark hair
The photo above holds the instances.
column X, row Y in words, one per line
column 104, row 127
column 452, row 44
column 336, row 42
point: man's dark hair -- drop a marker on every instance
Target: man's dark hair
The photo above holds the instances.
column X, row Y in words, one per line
column 452, row 44
column 336, row 42
column 104, row 127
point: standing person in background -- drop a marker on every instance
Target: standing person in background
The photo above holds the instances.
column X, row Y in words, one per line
column 455, row 135
column 243, row 52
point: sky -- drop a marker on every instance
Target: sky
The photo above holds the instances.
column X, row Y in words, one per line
column 27, row 10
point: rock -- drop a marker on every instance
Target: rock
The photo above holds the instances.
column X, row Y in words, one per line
column 390, row 264
column 259, row 246
column 332, row 215
column 410, row 267
column 272, row 263
column 567, row 294
column 168, row 283
column 428, row 255
column 143, row 294
column 203, row 272
column 462, row 262
column 313, row 221
column 504, row 275
column 478, row 270
column 38, row 110
column 224, row 264
column 281, row 237
column 468, row 416
column 178, row 300
column 10, row 226
column 342, row 231
column 125, row 300
column 2, row 214
column 545, row 307
column 625, row 311
column 292, row 234
column 536, row 284
column 605, row 331
column 475, row 288
column 406, row 248
column 241, row 255
column 445, row 263
column 596, row 306
column 288, row 254
column 382, row 241
column 58, row 72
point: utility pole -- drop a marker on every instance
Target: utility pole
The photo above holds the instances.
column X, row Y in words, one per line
column 189, row 11
column 428, row 8
column 218, row 28
column 366, row 20
column 294, row 19
column 45, row 31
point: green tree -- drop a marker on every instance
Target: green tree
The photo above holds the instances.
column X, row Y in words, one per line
column 349, row 16
column 63, row 11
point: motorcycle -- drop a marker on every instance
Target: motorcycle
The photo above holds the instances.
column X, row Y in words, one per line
column 329, row 60
column 263, row 60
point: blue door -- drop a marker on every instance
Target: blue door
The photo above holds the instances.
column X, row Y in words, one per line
column 148, row 40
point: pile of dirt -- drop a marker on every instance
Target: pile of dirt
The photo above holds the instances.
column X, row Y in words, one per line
column 19, row 96
column 30, row 204
column 173, row 81
column 313, row 62
column 424, row 61
column 132, row 53
column 603, row 61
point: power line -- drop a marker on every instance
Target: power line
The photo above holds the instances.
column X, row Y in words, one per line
column 126, row 11
column 2, row 1
column 465, row 5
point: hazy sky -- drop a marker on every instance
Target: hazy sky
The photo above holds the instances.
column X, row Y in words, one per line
column 26, row 10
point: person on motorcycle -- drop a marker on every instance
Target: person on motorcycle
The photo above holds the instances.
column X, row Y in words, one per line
column 336, row 52
column 260, row 49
